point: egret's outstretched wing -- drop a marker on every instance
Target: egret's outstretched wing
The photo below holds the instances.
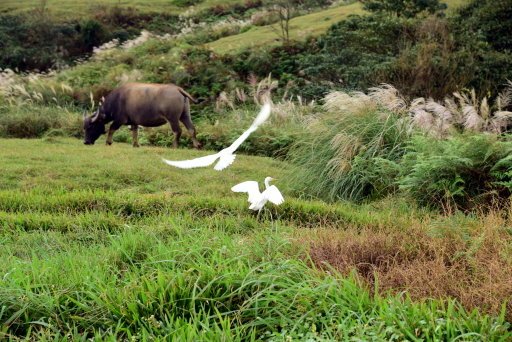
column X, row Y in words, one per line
column 250, row 187
column 261, row 118
column 273, row 194
column 197, row 162
column 224, row 161
column 225, row 156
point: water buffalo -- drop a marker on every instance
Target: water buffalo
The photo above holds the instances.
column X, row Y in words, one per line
column 143, row 104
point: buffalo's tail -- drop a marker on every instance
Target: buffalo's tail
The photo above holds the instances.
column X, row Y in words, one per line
column 184, row 93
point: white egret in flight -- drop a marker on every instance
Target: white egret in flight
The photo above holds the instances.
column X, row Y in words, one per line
column 226, row 156
column 257, row 198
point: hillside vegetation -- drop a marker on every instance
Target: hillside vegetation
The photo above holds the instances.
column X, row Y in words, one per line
column 301, row 28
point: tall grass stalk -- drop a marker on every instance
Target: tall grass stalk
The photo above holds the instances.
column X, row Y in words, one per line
column 350, row 151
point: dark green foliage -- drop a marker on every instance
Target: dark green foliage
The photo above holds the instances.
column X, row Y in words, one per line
column 205, row 74
column 36, row 43
column 406, row 8
column 487, row 20
column 92, row 33
column 355, row 51
column 463, row 172
column 483, row 38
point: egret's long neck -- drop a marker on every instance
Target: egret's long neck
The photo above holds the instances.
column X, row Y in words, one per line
column 267, row 183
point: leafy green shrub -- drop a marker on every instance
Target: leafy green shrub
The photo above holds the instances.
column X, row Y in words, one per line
column 463, row 172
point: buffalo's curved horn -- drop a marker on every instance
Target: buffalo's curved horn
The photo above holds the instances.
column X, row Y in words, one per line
column 95, row 116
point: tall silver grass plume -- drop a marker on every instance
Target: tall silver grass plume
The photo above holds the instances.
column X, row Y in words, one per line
column 388, row 96
column 442, row 112
column 500, row 121
column 505, row 97
column 339, row 101
column 223, row 100
column 472, row 120
column 485, row 111
column 241, row 96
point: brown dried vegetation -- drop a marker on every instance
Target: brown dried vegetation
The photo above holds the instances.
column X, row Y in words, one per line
column 466, row 259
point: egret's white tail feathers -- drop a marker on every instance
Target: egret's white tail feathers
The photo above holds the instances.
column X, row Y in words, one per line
column 257, row 205
column 224, row 161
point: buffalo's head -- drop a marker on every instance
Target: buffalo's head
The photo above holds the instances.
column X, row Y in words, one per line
column 94, row 126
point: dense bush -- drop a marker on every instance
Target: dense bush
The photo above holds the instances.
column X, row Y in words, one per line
column 462, row 172
column 483, row 41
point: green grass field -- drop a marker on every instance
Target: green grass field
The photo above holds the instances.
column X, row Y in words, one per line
column 109, row 243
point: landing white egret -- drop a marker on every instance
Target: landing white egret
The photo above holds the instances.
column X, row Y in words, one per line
column 226, row 156
column 257, row 198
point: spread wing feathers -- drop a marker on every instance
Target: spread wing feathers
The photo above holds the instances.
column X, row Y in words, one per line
column 197, row 162
column 226, row 155
column 262, row 116
column 250, row 187
column 224, row 161
column 260, row 119
column 273, row 194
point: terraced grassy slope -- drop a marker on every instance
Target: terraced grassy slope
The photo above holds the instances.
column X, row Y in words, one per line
column 300, row 28
column 109, row 243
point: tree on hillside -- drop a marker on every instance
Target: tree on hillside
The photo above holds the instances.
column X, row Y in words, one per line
column 287, row 9
column 406, row 8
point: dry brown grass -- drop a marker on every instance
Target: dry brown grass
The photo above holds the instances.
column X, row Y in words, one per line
column 470, row 261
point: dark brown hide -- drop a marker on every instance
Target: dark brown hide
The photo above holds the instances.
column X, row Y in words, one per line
column 142, row 104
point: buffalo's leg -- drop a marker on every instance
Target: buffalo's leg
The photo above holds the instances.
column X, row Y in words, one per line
column 187, row 121
column 176, row 130
column 135, row 135
column 113, row 127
